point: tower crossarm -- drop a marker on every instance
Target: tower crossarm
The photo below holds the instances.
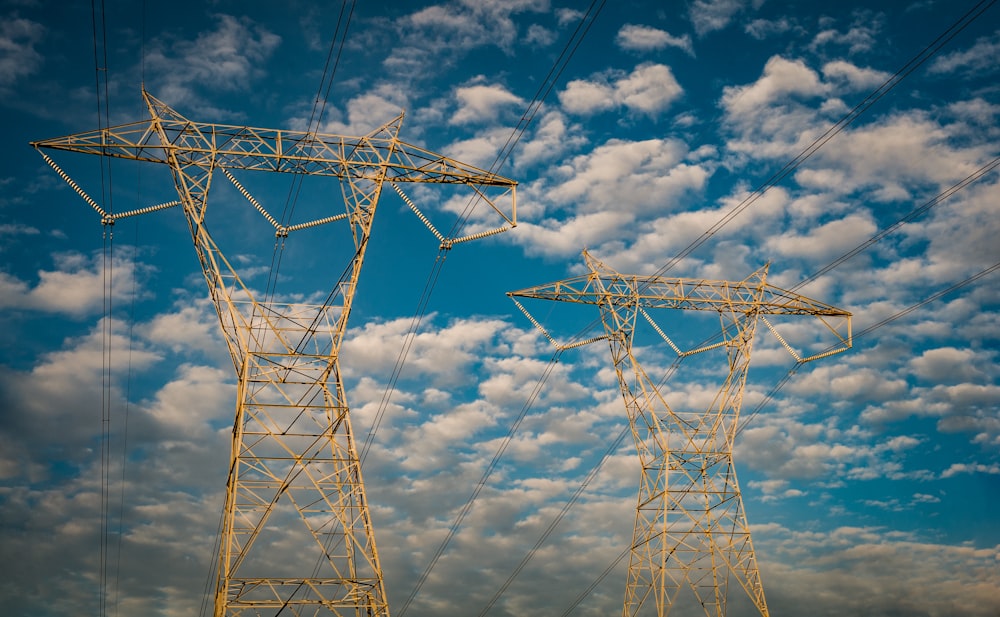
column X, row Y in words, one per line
column 656, row 292
column 274, row 150
column 294, row 477
column 691, row 532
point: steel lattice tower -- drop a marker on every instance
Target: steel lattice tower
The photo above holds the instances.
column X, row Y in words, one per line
column 295, row 474
column 691, row 531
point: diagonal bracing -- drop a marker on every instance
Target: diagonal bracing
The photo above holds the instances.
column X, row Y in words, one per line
column 294, row 485
column 691, row 534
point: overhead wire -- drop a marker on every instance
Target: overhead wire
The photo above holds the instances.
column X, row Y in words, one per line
column 315, row 122
column 915, row 62
column 317, row 113
column 562, row 60
column 866, row 331
column 745, row 421
column 582, row 28
column 908, row 217
column 926, row 53
column 615, row 444
column 100, row 52
column 541, row 94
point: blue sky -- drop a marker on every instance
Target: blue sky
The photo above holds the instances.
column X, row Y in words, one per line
column 871, row 479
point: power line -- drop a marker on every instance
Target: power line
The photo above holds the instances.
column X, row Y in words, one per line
column 100, row 50
column 615, row 444
column 315, row 121
column 544, row 89
column 928, row 51
column 582, row 28
column 482, row 482
column 903, row 313
column 925, row 54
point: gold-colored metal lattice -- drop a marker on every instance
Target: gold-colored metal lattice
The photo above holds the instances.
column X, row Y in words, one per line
column 691, row 531
column 294, row 478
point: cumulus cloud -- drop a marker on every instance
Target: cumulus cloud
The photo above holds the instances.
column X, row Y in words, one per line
column 638, row 177
column 482, row 103
column 710, row 15
column 761, row 29
column 649, row 89
column 433, row 38
column 781, row 78
column 77, row 287
column 553, row 136
column 861, row 566
column 443, row 354
column 635, row 37
column 960, row 468
column 950, row 365
column 854, row 77
column 862, row 36
column 978, row 58
column 18, row 54
column 364, row 113
column 228, row 57
column 827, row 240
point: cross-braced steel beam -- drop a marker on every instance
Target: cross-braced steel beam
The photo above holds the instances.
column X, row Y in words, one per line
column 295, row 475
column 691, row 532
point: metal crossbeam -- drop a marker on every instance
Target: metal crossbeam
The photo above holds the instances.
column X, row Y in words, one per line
column 691, row 534
column 294, row 475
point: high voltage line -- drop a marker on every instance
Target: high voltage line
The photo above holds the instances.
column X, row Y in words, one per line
column 512, row 141
column 926, row 53
column 582, row 28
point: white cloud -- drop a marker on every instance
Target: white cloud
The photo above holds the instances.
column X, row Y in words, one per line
column 539, row 35
column 649, row 89
column 781, row 79
column 854, row 77
column 950, row 365
column 435, row 37
column 861, row 37
column 481, row 151
column 442, row 355
column 568, row 15
column 977, row 110
column 552, row 137
column 14, row 229
column 188, row 405
column 586, row 97
column 860, row 566
column 761, row 29
column 228, row 58
column 635, row 37
column 18, row 56
column 365, row 113
column 76, row 288
column 827, row 240
column 958, row 468
column 891, row 157
column 710, row 15
column 638, row 177
column 565, row 236
column 481, row 103
column 982, row 56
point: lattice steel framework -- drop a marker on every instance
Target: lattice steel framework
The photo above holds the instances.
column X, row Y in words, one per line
column 691, row 530
column 294, row 477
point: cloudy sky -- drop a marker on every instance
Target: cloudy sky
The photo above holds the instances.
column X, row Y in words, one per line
column 645, row 132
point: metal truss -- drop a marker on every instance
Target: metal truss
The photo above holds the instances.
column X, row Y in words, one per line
column 297, row 535
column 691, row 530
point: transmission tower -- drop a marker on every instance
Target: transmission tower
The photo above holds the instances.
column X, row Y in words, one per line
column 294, row 473
column 691, row 531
